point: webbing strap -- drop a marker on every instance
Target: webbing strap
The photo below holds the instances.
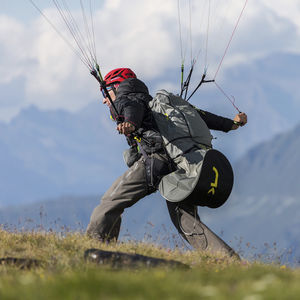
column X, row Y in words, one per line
column 141, row 149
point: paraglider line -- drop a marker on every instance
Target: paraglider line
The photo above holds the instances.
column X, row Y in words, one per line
column 200, row 83
column 93, row 29
column 88, row 33
column 231, row 38
column 59, row 33
column 232, row 99
column 186, row 84
column 207, row 34
column 180, row 33
column 191, row 32
column 73, row 29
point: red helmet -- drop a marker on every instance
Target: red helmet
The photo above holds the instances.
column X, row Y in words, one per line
column 118, row 75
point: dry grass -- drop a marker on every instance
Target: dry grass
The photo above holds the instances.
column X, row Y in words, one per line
column 64, row 274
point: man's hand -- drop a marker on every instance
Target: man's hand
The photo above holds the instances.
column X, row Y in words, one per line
column 239, row 120
column 125, row 128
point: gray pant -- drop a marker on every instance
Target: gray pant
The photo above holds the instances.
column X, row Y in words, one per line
column 132, row 186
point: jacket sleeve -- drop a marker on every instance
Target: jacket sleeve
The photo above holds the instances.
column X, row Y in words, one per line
column 215, row 122
column 133, row 112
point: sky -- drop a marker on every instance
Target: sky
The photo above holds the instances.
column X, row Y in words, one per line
column 38, row 68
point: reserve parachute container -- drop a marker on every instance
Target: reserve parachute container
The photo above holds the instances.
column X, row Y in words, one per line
column 203, row 175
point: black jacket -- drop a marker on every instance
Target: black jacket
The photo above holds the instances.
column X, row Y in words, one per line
column 131, row 102
column 215, row 122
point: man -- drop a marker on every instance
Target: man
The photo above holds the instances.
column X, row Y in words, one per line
column 130, row 97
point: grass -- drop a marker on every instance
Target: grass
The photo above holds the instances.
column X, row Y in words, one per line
column 63, row 273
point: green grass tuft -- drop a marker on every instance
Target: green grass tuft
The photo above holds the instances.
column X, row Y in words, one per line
column 63, row 273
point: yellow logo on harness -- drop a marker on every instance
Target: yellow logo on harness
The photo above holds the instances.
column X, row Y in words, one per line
column 137, row 139
column 215, row 183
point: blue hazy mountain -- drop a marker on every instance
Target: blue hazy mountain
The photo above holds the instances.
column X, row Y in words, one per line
column 271, row 168
column 51, row 153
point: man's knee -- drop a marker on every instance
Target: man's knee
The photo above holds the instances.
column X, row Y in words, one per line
column 186, row 219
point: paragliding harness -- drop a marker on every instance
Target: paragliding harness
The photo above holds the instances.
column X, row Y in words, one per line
column 155, row 168
column 203, row 176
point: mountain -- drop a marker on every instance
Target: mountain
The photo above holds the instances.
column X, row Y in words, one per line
column 272, row 168
column 148, row 219
column 52, row 153
column 71, row 213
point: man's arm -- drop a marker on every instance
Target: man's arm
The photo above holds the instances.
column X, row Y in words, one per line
column 133, row 113
column 216, row 122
